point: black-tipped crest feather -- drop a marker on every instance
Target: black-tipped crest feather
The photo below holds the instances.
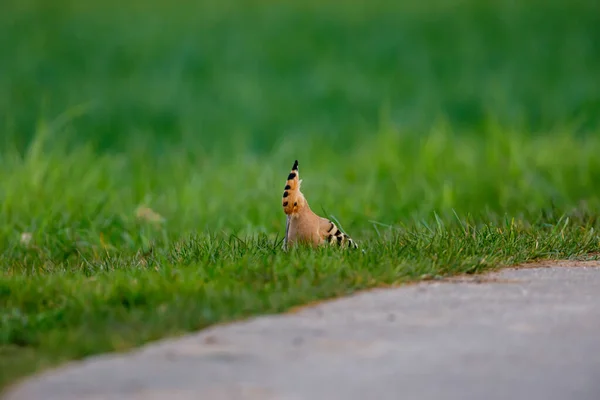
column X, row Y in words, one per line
column 291, row 191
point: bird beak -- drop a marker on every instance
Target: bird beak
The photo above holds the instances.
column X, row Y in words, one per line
column 287, row 230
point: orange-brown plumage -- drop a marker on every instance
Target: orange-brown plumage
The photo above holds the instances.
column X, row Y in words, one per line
column 303, row 225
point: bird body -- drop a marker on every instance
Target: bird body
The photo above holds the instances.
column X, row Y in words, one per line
column 302, row 224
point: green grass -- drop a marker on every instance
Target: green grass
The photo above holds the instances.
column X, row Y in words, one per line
column 447, row 137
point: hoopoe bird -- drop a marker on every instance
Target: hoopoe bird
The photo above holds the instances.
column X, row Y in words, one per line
column 302, row 224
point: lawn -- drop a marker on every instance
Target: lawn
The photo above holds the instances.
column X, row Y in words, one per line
column 145, row 146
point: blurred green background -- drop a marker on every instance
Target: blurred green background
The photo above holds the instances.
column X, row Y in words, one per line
column 207, row 73
column 197, row 109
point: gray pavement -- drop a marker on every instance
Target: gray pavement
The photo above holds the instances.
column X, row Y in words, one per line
column 531, row 333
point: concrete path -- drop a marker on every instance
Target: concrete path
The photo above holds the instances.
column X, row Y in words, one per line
column 531, row 333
